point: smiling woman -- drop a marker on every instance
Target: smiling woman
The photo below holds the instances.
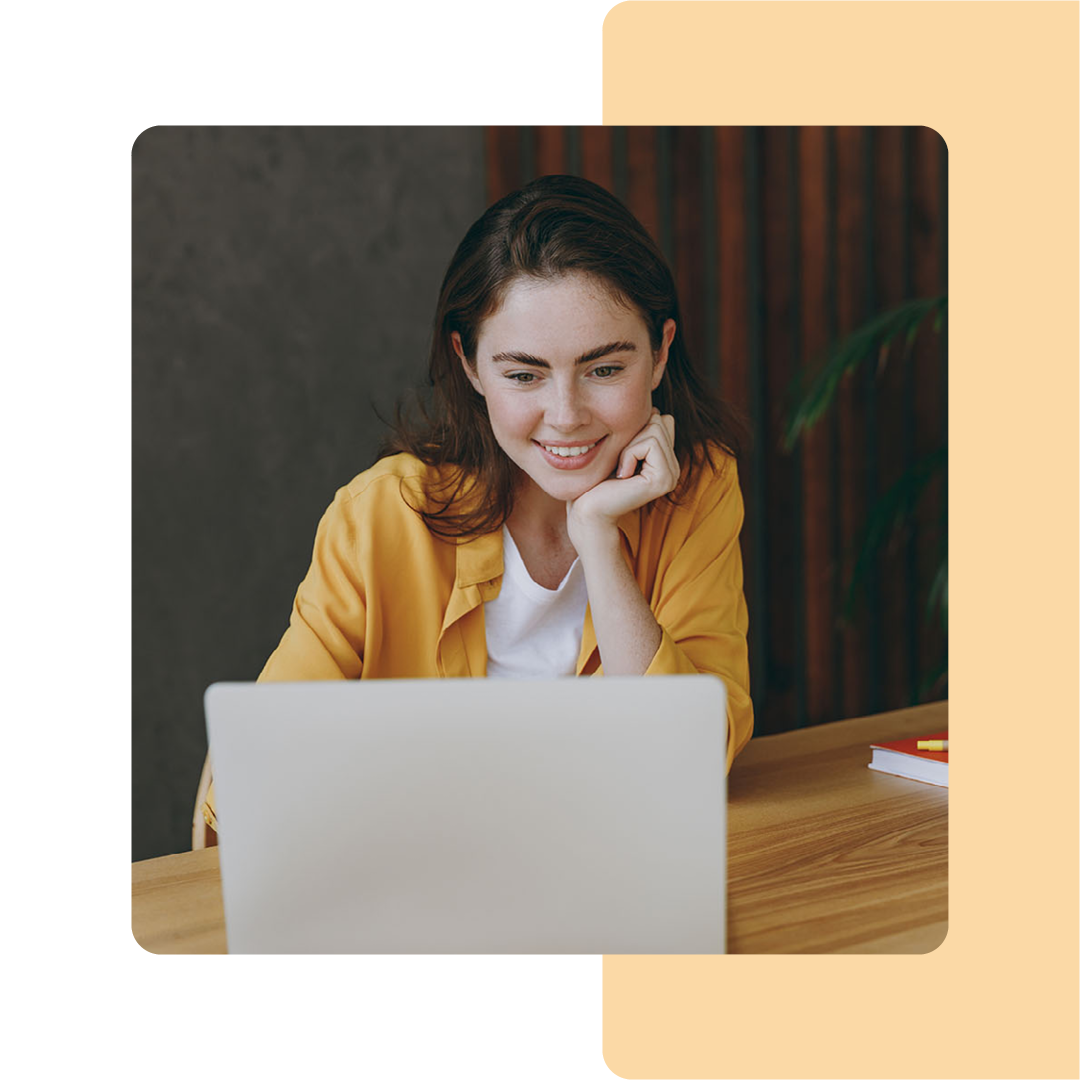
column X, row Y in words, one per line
column 567, row 373
column 569, row 505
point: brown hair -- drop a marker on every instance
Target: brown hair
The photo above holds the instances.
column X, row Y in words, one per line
column 553, row 226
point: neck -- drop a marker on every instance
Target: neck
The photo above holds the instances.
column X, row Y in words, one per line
column 537, row 514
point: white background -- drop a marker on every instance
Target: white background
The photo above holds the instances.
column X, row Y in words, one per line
column 79, row 84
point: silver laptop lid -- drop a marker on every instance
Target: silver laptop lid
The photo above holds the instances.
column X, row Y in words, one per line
column 472, row 815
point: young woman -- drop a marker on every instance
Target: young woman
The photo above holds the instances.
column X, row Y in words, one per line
column 569, row 505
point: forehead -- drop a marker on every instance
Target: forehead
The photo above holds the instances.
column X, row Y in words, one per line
column 566, row 315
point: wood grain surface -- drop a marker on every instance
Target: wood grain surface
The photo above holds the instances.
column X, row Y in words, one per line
column 176, row 903
column 824, row 855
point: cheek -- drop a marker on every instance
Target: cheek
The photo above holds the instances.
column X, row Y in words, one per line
column 637, row 407
column 508, row 414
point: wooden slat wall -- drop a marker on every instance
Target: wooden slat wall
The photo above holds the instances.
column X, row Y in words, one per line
column 819, row 680
column 781, row 239
column 892, row 280
column 852, row 309
column 929, row 233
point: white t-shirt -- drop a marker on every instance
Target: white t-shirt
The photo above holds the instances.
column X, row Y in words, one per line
column 533, row 632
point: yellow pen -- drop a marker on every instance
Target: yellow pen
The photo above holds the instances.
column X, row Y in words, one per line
column 932, row 744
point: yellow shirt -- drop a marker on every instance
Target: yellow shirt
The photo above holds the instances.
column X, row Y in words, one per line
column 387, row 599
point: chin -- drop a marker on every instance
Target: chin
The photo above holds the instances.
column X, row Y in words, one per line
column 568, row 491
column 568, row 488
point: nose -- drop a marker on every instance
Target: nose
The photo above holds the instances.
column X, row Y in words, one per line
column 567, row 409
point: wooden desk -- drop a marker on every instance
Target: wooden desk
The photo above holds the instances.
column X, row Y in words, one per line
column 824, row 855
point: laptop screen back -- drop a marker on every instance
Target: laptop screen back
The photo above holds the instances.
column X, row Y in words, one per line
column 472, row 815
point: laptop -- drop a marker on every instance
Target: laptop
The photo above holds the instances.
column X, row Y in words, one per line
column 575, row 815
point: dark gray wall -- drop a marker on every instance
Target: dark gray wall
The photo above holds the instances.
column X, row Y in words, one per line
column 284, row 282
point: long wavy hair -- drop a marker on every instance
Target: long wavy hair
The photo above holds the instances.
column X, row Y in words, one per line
column 553, row 226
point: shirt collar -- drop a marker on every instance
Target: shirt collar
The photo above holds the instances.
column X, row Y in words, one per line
column 480, row 560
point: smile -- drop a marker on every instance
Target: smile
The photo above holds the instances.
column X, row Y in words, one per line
column 568, row 451
column 570, row 457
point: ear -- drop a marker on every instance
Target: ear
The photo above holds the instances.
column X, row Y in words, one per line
column 470, row 369
column 660, row 363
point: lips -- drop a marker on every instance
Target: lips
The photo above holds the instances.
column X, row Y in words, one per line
column 571, row 461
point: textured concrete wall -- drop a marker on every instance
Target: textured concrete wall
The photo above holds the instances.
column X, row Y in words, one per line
column 284, row 282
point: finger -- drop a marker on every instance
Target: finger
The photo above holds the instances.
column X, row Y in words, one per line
column 666, row 464
column 645, row 445
column 659, row 466
column 661, row 428
column 629, row 458
column 664, row 429
column 664, row 423
column 667, row 447
column 669, row 427
column 665, row 426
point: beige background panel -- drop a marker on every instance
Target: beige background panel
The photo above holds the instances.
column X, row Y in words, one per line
column 998, row 81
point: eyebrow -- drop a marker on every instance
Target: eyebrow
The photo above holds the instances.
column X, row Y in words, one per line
column 584, row 358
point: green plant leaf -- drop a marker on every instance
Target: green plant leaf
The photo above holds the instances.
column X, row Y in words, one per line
column 939, row 594
column 888, row 514
column 809, row 396
column 939, row 675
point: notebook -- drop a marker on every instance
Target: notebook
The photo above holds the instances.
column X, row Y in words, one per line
column 577, row 815
column 903, row 758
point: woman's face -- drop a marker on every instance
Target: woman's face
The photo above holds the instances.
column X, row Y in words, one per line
column 567, row 373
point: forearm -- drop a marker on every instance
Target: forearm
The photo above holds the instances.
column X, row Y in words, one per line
column 626, row 632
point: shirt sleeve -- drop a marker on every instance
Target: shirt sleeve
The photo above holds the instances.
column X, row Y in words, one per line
column 698, row 598
column 325, row 636
column 208, row 808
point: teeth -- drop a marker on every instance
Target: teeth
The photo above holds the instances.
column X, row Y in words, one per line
column 568, row 451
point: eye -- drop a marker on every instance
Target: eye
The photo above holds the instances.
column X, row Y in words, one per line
column 606, row 371
column 522, row 377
